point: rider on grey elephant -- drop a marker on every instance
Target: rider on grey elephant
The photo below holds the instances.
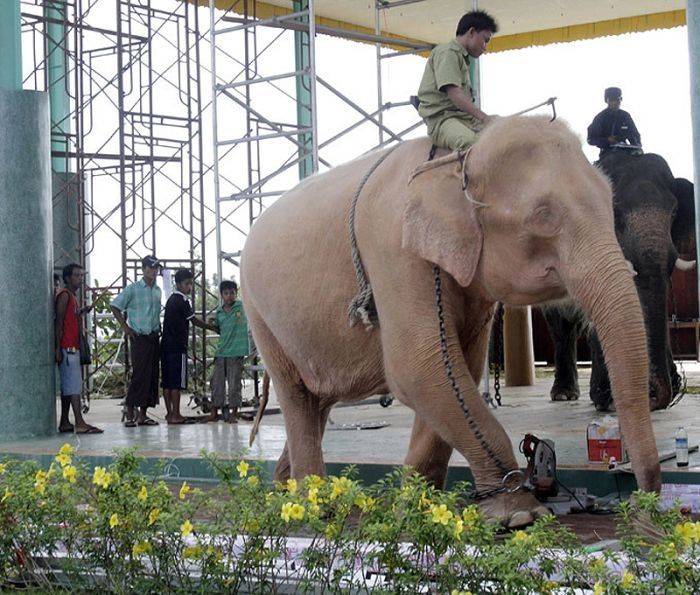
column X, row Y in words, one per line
column 654, row 215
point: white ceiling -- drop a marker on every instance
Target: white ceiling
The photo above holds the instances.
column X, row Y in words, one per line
column 435, row 21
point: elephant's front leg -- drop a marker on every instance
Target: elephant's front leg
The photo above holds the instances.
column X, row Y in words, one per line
column 564, row 332
column 451, row 412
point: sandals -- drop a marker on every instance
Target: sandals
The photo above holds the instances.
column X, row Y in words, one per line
column 148, row 422
column 90, row 430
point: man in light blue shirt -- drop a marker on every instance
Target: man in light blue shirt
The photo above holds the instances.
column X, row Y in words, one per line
column 140, row 302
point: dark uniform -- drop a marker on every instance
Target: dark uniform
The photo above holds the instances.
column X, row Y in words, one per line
column 617, row 123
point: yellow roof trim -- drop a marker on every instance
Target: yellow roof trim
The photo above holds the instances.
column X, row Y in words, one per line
column 659, row 20
column 263, row 10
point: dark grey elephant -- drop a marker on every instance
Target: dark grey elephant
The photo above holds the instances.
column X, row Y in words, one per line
column 654, row 215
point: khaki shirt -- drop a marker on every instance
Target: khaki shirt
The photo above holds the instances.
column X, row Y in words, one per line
column 448, row 64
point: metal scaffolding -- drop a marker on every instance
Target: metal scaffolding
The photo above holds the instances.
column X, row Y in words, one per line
column 134, row 170
column 128, row 147
column 266, row 112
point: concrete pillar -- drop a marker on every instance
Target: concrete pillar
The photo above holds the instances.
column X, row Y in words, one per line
column 693, row 19
column 517, row 347
column 27, row 394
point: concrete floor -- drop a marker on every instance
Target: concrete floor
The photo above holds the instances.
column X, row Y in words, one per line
column 525, row 409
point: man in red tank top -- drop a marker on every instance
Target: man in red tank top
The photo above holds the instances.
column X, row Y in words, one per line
column 68, row 351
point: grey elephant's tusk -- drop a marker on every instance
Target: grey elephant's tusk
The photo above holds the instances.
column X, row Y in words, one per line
column 685, row 265
column 630, row 266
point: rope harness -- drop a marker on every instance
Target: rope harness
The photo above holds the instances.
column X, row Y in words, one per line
column 362, row 307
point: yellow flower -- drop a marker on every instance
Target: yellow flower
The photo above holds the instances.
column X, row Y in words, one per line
column 253, row 481
column 3, row 468
column 184, row 490
column 214, row 552
column 8, row 493
column 242, row 468
column 298, row 512
column 141, row 548
column 143, row 494
column 291, row 511
column 459, row 527
column 153, row 516
column 425, row 501
column 364, row 503
column 312, row 496
column 470, row 515
column 597, row 565
column 101, row 477
column 313, row 481
column 194, row 552
column 113, row 520
column 598, row 588
column 292, row 486
column 70, row 473
column 628, row 579
column 688, row 532
column 332, row 531
column 251, row 526
column 340, row 486
column 520, row 537
column 63, row 459
column 440, row 514
column 186, row 528
column 456, row 592
column 66, row 449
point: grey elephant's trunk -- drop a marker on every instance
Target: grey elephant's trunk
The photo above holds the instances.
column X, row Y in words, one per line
column 602, row 285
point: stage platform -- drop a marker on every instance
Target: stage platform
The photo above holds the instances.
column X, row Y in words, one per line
column 377, row 451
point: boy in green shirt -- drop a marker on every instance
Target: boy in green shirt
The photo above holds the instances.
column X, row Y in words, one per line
column 230, row 354
column 445, row 93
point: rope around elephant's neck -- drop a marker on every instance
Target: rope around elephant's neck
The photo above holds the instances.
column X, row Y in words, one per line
column 362, row 306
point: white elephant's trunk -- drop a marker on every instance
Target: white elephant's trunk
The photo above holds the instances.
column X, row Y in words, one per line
column 602, row 285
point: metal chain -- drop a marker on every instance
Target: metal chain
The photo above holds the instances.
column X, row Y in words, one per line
column 362, row 306
column 498, row 325
column 684, row 381
column 453, row 381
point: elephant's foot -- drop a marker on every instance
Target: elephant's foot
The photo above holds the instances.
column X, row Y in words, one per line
column 513, row 510
column 564, row 393
column 602, row 399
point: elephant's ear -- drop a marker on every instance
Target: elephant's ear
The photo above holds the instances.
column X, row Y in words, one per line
column 440, row 224
column 684, row 223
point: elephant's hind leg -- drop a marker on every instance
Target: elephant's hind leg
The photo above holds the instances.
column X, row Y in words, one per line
column 302, row 417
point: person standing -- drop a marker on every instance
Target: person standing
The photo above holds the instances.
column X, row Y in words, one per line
column 68, row 327
column 173, row 346
column 230, row 356
column 613, row 126
column 141, row 302
column 445, row 94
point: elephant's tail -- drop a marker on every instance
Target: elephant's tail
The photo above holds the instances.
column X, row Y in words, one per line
column 261, row 408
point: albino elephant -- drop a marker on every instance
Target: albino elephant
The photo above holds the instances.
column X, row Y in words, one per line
column 534, row 224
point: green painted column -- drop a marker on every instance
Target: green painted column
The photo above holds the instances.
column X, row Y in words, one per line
column 27, row 396
column 57, row 81
column 304, row 116
column 10, row 45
